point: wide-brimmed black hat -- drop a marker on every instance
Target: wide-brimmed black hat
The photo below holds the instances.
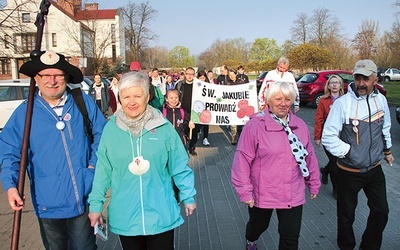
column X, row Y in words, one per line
column 51, row 60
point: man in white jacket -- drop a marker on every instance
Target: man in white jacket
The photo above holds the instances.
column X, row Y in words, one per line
column 357, row 132
column 281, row 74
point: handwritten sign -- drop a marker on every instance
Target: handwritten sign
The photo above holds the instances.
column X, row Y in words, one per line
column 223, row 104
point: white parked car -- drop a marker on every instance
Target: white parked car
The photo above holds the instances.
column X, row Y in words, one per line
column 84, row 85
column 12, row 93
column 391, row 75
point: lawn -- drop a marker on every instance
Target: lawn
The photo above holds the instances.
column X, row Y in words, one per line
column 393, row 92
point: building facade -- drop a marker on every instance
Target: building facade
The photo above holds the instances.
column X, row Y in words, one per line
column 83, row 35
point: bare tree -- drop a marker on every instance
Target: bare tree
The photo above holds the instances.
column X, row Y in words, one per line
column 208, row 58
column 392, row 42
column 366, row 40
column 222, row 50
column 323, row 27
column 155, row 57
column 343, row 54
column 138, row 34
column 12, row 26
column 397, row 6
column 300, row 29
column 384, row 57
column 96, row 38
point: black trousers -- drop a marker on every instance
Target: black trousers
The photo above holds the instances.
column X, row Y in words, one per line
column 193, row 140
column 206, row 129
column 331, row 167
column 164, row 241
column 349, row 184
column 289, row 224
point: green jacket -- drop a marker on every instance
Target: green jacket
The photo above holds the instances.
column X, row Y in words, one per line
column 142, row 205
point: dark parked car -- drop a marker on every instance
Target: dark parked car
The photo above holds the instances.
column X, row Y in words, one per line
column 311, row 85
column 260, row 79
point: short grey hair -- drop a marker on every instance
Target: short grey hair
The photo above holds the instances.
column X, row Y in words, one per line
column 283, row 60
column 286, row 88
column 134, row 79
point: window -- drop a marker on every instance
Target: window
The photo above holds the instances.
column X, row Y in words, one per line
column 26, row 17
column 54, row 39
column 28, row 42
column 7, row 41
column 113, row 33
column 5, row 66
column 114, row 52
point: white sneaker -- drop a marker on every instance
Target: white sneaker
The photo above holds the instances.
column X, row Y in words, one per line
column 205, row 142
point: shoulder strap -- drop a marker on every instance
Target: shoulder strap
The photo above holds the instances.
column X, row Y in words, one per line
column 80, row 103
column 164, row 112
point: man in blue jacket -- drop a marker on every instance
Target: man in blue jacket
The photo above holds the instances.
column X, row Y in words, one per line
column 61, row 156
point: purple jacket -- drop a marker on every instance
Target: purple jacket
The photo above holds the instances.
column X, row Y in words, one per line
column 264, row 169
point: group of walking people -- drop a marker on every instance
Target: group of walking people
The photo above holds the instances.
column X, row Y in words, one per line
column 138, row 156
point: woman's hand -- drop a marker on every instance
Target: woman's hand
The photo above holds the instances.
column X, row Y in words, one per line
column 190, row 208
column 95, row 217
column 249, row 203
column 313, row 196
column 317, row 142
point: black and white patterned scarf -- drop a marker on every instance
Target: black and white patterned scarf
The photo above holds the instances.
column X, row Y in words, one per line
column 298, row 150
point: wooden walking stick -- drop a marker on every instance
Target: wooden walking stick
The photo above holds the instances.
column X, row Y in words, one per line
column 40, row 20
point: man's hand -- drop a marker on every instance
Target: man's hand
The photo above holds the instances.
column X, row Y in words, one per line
column 296, row 109
column 15, row 201
column 317, row 142
column 389, row 159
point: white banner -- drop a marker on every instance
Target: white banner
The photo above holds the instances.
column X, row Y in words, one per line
column 223, row 104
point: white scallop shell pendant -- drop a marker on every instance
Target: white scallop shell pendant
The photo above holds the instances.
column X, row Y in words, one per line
column 139, row 166
column 60, row 125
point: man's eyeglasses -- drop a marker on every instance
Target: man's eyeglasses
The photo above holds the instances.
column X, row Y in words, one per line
column 48, row 77
column 191, row 74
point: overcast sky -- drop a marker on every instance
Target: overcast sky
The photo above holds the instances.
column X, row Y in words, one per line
column 197, row 24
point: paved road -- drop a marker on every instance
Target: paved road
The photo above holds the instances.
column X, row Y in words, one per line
column 219, row 222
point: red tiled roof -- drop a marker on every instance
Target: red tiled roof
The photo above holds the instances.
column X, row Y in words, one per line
column 95, row 14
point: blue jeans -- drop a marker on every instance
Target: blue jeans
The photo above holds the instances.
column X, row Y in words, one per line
column 72, row 233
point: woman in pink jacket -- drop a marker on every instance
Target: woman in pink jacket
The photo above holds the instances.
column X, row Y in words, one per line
column 273, row 164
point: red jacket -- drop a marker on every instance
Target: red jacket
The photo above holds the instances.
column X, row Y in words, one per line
column 324, row 106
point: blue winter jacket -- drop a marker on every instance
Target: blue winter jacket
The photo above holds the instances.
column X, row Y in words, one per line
column 58, row 160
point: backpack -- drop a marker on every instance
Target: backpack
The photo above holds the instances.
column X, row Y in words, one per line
column 164, row 112
column 185, row 138
column 80, row 103
column 158, row 100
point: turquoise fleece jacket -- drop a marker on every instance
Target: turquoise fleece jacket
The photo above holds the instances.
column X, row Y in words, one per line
column 146, row 204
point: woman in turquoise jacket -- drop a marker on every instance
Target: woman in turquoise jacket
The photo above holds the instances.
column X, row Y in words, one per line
column 139, row 155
